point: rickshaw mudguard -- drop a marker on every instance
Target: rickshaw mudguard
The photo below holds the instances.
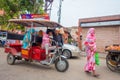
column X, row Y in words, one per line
column 61, row 56
column 13, row 51
column 7, row 50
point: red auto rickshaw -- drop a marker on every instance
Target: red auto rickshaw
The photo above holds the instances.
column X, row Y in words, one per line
column 34, row 53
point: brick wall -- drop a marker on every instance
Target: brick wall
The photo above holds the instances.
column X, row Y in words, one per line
column 104, row 36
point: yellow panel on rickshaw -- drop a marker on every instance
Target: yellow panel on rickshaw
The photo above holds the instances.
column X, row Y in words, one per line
column 25, row 52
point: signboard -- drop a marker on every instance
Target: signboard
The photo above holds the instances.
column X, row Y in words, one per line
column 35, row 16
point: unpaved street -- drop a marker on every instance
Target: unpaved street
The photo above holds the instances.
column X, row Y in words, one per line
column 34, row 71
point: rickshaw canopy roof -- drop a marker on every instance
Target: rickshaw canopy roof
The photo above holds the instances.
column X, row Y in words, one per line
column 36, row 23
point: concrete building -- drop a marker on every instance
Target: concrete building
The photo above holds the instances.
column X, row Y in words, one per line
column 107, row 30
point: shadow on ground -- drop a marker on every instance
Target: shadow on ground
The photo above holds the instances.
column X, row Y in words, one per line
column 33, row 65
column 74, row 57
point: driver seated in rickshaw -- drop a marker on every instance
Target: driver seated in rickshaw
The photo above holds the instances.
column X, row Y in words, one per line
column 39, row 38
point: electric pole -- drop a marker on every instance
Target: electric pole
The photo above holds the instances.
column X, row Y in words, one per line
column 48, row 6
column 59, row 11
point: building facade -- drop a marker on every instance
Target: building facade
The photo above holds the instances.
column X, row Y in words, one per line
column 107, row 30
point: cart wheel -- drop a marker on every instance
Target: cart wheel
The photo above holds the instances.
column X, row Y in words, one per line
column 61, row 65
column 111, row 64
column 10, row 59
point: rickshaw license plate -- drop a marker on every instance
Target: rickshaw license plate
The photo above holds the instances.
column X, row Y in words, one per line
column 25, row 52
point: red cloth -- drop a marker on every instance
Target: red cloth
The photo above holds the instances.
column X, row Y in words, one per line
column 38, row 53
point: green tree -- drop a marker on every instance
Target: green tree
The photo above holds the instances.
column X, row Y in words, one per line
column 13, row 8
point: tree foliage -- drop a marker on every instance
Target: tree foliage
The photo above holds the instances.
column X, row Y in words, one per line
column 13, row 8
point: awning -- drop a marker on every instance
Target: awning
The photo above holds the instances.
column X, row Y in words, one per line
column 97, row 24
column 35, row 23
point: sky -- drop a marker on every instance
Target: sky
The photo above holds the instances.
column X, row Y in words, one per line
column 73, row 10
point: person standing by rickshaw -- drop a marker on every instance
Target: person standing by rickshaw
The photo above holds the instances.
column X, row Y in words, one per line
column 58, row 37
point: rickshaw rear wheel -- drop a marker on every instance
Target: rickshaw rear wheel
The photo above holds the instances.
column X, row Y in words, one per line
column 110, row 63
column 10, row 59
column 61, row 65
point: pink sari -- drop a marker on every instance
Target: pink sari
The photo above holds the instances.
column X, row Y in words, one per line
column 90, row 44
column 46, row 40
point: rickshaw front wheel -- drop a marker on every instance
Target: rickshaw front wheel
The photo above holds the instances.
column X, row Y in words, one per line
column 61, row 65
column 10, row 59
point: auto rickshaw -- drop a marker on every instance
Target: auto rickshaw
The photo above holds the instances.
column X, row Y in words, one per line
column 34, row 53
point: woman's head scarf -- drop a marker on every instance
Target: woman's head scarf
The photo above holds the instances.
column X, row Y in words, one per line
column 90, row 39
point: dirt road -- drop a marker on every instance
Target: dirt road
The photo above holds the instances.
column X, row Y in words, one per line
column 34, row 71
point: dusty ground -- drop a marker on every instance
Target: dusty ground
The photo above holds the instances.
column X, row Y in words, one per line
column 34, row 71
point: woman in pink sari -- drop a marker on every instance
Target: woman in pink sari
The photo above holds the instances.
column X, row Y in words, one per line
column 90, row 44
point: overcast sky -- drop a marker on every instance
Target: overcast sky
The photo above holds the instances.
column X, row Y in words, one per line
column 72, row 10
